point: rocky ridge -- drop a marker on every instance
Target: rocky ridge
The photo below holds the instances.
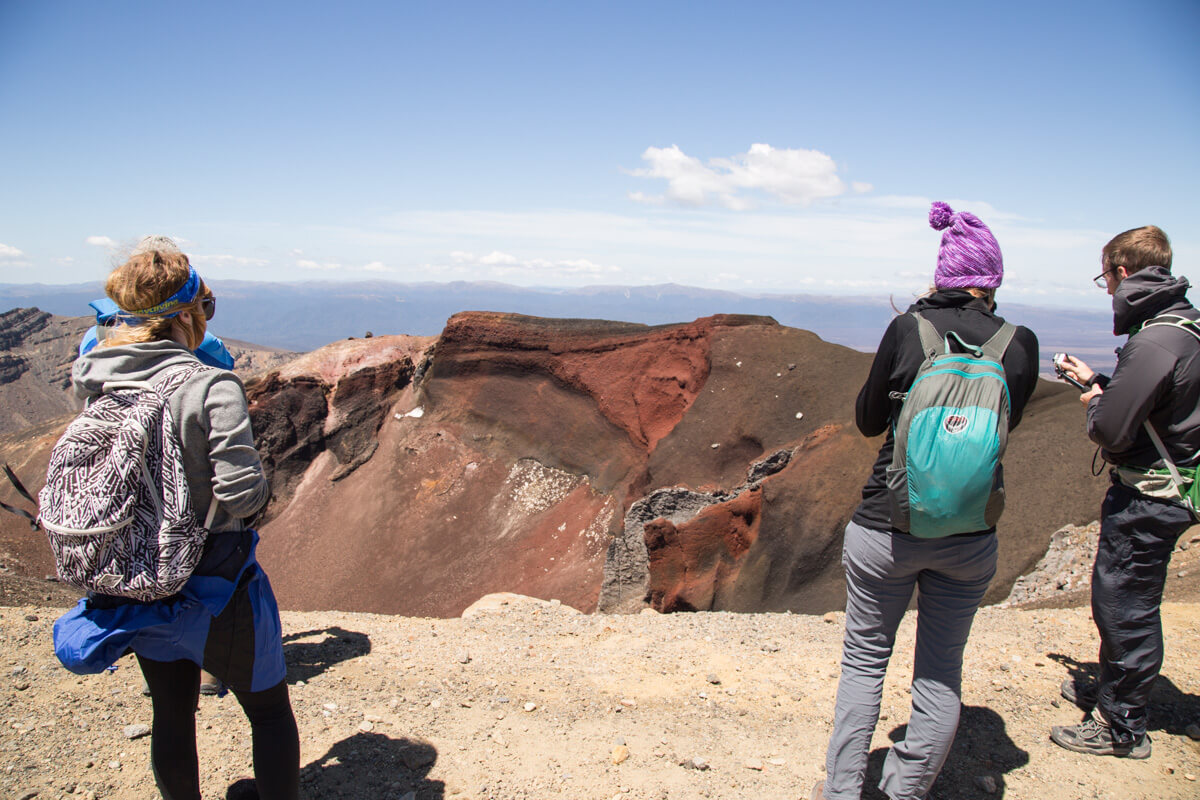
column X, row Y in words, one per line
column 36, row 353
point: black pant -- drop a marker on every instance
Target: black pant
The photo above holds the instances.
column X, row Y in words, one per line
column 174, row 692
column 1137, row 535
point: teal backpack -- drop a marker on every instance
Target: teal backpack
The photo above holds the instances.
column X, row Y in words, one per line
column 945, row 476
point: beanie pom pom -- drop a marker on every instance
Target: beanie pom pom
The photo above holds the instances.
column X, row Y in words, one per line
column 939, row 216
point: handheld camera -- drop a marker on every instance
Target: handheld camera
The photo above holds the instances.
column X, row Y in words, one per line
column 1060, row 369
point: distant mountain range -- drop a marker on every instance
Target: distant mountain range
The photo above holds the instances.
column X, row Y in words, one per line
column 304, row 316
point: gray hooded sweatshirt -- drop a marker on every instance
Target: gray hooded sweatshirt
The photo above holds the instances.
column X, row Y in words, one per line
column 211, row 417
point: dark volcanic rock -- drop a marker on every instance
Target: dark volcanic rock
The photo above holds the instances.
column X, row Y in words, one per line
column 20, row 325
column 361, row 402
column 288, row 417
column 11, row 367
column 335, row 399
column 36, row 352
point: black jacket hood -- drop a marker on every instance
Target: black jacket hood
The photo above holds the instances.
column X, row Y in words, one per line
column 951, row 298
column 1145, row 294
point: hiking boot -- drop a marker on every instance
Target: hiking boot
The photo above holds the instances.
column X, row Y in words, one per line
column 1096, row 739
column 1081, row 691
column 211, row 685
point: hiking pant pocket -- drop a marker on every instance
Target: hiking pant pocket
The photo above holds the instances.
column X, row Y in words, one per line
column 897, row 486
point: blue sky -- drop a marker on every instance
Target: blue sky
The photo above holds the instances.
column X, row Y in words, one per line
column 772, row 147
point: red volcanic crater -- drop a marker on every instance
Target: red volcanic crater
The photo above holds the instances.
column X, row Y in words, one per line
column 703, row 465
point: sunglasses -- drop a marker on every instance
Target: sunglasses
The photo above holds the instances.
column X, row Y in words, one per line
column 209, row 306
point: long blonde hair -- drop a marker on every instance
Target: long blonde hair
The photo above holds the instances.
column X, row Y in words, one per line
column 146, row 280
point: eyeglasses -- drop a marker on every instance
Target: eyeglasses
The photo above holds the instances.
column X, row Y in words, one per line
column 209, row 306
column 1100, row 280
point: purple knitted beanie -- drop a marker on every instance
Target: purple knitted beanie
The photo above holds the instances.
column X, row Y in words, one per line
column 969, row 255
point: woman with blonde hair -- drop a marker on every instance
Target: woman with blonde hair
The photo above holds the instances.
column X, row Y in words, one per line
column 225, row 618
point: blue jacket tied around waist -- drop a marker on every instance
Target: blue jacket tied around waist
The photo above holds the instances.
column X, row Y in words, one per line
column 89, row 639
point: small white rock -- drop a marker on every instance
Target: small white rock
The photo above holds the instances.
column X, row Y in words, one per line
column 136, row 731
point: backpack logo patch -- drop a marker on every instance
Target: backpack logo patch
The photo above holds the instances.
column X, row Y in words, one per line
column 955, row 423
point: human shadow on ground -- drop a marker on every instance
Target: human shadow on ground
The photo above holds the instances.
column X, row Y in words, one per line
column 308, row 659
column 981, row 749
column 364, row 765
column 1171, row 710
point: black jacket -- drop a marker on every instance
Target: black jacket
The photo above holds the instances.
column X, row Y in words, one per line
column 895, row 367
column 1157, row 376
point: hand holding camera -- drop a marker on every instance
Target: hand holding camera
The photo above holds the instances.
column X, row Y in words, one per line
column 1071, row 369
column 1078, row 374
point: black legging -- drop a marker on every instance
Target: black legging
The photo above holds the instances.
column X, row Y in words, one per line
column 174, row 692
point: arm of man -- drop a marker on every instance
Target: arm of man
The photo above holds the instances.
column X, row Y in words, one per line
column 873, row 409
column 1142, row 377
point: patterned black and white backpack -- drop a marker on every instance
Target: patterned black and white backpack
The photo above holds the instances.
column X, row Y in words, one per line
column 116, row 505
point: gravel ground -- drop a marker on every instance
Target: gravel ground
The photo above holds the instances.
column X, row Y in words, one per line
column 530, row 699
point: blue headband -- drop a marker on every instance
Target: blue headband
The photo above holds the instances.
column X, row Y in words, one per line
column 186, row 294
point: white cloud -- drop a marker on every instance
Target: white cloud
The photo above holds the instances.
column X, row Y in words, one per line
column 305, row 263
column 377, row 266
column 792, row 176
column 496, row 257
column 101, row 241
column 8, row 251
column 858, row 187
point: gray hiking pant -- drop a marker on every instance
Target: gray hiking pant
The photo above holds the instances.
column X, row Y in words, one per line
column 882, row 570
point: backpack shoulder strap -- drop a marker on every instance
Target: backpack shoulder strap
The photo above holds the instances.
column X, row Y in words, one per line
column 173, row 379
column 1176, row 321
column 931, row 341
column 166, row 383
column 995, row 347
column 21, row 490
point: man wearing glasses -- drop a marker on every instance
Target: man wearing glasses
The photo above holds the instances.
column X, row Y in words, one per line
column 1146, row 419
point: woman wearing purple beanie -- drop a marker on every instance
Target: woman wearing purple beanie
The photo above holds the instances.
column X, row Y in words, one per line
column 885, row 563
